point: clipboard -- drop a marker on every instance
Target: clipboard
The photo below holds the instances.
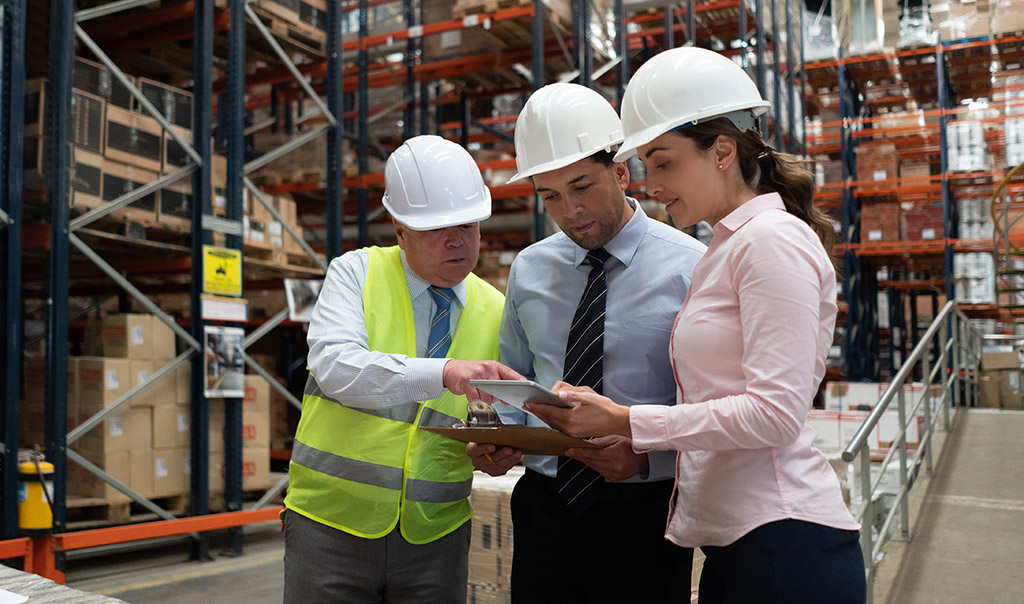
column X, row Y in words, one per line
column 533, row 440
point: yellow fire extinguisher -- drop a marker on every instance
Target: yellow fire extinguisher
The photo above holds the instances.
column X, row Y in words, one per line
column 35, row 495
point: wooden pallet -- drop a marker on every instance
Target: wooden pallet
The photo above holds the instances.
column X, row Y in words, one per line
column 282, row 24
column 90, row 512
column 462, row 10
column 266, row 253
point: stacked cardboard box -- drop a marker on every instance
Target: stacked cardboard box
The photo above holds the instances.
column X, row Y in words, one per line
column 1000, row 380
column 255, row 438
column 921, row 220
column 975, row 218
column 490, row 551
column 876, row 162
column 967, row 151
column 262, row 232
column 957, row 20
column 879, row 221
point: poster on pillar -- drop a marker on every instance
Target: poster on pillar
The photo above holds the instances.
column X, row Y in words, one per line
column 222, row 271
column 302, row 295
column 224, row 366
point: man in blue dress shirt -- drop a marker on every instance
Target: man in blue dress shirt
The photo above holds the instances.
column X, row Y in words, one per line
column 600, row 539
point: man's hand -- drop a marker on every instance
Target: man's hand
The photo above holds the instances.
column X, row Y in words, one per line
column 457, row 374
column 615, row 460
column 489, row 459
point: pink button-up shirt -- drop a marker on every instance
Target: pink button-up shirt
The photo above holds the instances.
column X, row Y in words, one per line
column 748, row 351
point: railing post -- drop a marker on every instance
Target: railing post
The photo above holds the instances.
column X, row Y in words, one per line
column 901, row 409
column 958, row 398
column 946, row 390
column 926, row 369
column 867, row 545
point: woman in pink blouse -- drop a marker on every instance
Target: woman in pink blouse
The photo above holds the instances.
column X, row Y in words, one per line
column 748, row 347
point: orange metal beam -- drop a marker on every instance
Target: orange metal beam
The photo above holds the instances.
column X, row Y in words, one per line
column 164, row 528
column 18, row 548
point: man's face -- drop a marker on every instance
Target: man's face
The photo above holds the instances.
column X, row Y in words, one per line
column 442, row 257
column 586, row 200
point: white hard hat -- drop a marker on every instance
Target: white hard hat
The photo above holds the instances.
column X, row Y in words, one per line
column 685, row 86
column 560, row 125
column 432, row 183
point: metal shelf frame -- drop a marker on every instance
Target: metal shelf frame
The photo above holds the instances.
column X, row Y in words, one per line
column 12, row 90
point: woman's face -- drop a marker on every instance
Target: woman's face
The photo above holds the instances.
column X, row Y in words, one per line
column 685, row 178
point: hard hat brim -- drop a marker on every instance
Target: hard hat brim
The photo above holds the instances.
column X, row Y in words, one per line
column 429, row 223
column 559, row 163
column 639, row 139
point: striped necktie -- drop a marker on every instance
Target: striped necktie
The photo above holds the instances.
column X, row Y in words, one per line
column 440, row 327
column 579, row 485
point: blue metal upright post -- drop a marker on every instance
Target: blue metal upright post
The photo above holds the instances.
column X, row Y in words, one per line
column 234, row 129
column 761, row 80
column 669, row 25
column 947, row 194
column 622, row 47
column 409, row 114
column 780, row 138
column 364, row 126
column 851, row 234
column 585, row 60
column 12, row 91
column 691, row 23
column 202, row 59
column 791, row 145
column 336, row 135
column 539, row 229
column 58, row 185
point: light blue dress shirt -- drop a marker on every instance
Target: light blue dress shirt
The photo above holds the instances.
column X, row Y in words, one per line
column 648, row 276
column 339, row 359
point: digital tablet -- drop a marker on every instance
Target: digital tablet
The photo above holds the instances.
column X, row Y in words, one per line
column 517, row 392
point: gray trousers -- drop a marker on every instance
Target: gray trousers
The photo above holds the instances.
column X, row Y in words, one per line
column 323, row 565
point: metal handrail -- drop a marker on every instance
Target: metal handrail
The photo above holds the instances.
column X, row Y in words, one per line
column 959, row 347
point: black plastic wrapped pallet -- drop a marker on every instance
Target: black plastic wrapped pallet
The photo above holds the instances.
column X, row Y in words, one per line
column 312, row 15
column 87, row 115
column 116, row 184
column 175, row 104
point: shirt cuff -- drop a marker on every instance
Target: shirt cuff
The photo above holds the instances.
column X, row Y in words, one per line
column 425, row 378
column 647, row 426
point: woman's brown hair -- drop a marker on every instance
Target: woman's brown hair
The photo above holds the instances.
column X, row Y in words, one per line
column 768, row 171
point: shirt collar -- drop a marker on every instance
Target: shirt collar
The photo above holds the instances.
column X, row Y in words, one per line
column 624, row 244
column 739, row 217
column 418, row 285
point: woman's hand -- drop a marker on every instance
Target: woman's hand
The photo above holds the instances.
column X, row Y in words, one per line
column 592, row 415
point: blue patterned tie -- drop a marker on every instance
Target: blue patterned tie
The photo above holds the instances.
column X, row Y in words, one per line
column 440, row 327
column 578, row 484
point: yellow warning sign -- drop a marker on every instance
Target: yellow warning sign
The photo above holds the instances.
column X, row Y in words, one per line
column 222, row 271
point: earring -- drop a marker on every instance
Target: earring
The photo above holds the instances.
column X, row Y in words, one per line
column 721, row 167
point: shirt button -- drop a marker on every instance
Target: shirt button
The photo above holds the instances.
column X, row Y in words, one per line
column 424, row 395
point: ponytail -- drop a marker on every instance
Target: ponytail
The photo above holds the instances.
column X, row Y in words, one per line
column 768, row 171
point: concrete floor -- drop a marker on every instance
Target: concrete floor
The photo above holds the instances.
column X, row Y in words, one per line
column 165, row 575
column 967, row 539
column 967, row 527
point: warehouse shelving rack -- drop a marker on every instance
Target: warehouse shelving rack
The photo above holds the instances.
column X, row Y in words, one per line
column 12, row 86
column 923, row 75
column 332, row 77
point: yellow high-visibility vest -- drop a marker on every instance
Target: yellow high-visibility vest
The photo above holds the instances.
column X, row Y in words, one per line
column 364, row 470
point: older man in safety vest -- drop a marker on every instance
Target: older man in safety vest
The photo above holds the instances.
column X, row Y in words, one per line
column 378, row 509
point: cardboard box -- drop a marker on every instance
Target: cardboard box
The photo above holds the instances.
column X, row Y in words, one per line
column 826, row 424
column 161, row 393
column 127, row 336
column 989, row 395
column 257, row 395
column 163, row 343
column 175, row 157
column 128, row 430
column 97, row 80
column 174, row 103
column 921, row 221
column 255, row 426
column 255, row 470
column 876, row 162
column 86, row 117
column 879, row 221
column 991, row 361
column 120, row 179
column 134, row 139
column 101, row 381
column 171, row 471
column 171, row 426
column 889, row 428
column 131, row 468
column 183, row 383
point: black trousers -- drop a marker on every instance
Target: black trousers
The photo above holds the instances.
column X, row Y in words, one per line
column 786, row 562
column 614, row 552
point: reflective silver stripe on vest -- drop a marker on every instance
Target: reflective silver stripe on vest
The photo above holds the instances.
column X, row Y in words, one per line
column 437, row 492
column 405, row 413
column 347, row 469
column 434, row 418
